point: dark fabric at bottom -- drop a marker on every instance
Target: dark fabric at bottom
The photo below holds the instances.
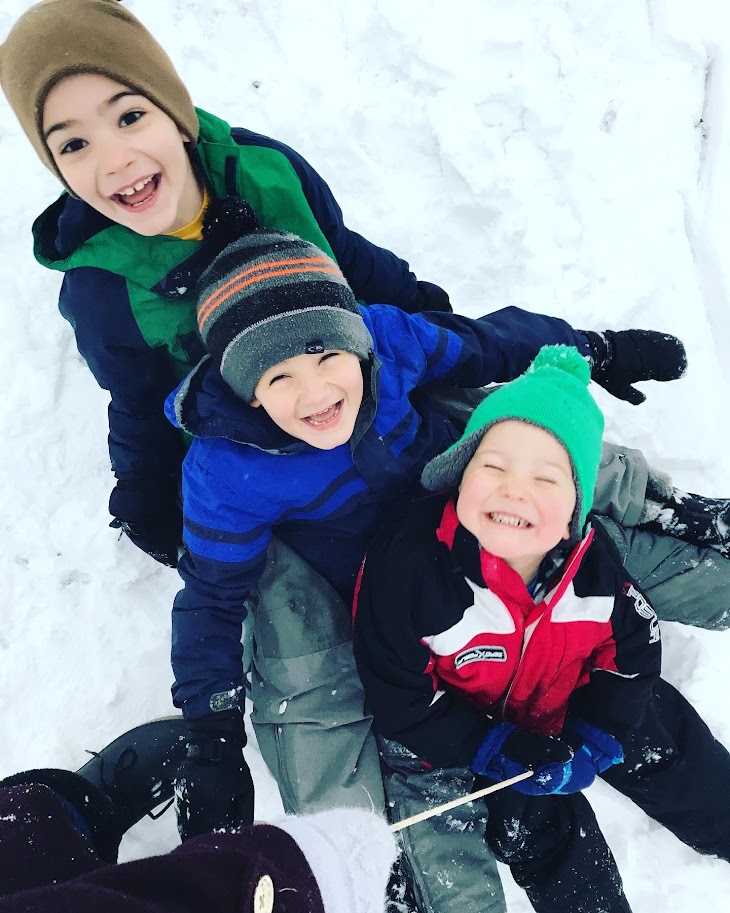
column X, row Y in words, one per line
column 678, row 773
column 47, row 867
column 555, row 851
column 38, row 843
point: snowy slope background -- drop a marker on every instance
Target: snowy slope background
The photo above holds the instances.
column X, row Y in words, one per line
column 565, row 156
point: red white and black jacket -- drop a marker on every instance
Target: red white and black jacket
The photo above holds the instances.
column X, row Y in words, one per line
column 448, row 640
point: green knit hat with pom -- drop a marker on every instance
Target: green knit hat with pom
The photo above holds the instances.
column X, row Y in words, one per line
column 552, row 394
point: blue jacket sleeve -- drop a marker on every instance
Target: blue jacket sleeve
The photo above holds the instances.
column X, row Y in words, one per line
column 464, row 352
column 374, row 273
column 226, row 534
column 142, row 443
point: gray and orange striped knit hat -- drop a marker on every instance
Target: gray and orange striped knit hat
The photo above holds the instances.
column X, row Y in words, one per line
column 270, row 296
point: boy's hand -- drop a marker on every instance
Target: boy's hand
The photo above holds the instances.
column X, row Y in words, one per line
column 506, row 752
column 619, row 359
column 213, row 786
column 149, row 514
column 433, row 297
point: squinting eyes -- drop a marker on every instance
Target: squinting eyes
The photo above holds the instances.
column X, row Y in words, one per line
column 546, row 479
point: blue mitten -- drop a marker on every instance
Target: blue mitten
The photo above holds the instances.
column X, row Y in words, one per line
column 506, row 752
column 597, row 752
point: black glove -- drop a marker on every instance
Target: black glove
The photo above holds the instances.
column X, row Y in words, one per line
column 213, row 785
column 619, row 359
column 432, row 298
column 148, row 512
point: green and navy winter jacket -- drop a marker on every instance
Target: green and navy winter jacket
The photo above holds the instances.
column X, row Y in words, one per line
column 449, row 641
column 130, row 298
column 244, row 478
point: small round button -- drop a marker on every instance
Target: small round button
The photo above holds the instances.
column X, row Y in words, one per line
column 263, row 896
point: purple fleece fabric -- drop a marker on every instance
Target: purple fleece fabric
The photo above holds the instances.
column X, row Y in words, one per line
column 46, row 866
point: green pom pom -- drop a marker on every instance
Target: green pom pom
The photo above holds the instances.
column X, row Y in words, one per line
column 564, row 358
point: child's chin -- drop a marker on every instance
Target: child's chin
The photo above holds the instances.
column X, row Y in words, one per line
column 331, row 444
column 328, row 440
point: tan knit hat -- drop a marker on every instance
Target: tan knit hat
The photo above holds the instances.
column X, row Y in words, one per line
column 58, row 38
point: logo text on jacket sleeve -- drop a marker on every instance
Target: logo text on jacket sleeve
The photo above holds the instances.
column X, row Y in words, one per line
column 644, row 609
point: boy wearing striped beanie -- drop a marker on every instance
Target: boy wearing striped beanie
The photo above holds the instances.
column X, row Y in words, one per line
column 496, row 630
column 311, row 421
column 311, row 424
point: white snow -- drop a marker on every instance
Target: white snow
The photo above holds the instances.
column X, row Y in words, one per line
column 568, row 156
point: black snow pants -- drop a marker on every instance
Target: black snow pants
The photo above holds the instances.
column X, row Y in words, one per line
column 674, row 769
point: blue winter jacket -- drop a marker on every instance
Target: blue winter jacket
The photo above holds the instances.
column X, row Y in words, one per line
column 244, row 478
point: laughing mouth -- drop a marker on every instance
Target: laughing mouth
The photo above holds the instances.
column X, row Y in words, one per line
column 138, row 193
column 325, row 417
column 509, row 520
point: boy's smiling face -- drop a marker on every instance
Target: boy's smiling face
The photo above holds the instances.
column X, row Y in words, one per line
column 517, row 495
column 121, row 154
column 315, row 398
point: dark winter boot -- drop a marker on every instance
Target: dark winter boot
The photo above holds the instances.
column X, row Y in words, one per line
column 136, row 770
column 692, row 518
column 121, row 783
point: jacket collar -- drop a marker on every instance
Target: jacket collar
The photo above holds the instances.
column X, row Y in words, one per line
column 486, row 570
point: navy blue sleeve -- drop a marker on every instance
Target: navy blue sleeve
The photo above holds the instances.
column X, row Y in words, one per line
column 374, row 273
column 142, row 443
column 228, row 515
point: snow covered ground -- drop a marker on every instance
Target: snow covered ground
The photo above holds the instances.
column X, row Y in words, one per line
column 565, row 156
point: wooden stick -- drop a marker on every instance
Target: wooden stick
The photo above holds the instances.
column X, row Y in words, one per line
column 429, row 813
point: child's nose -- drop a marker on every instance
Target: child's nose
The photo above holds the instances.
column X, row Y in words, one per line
column 115, row 156
column 513, row 487
column 312, row 391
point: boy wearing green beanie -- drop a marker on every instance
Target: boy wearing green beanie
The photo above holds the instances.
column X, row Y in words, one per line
column 497, row 630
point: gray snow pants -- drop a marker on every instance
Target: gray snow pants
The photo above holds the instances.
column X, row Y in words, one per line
column 308, row 704
column 309, row 711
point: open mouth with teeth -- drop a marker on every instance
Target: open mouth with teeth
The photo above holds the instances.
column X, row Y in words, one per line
column 138, row 194
column 509, row 520
column 326, row 418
